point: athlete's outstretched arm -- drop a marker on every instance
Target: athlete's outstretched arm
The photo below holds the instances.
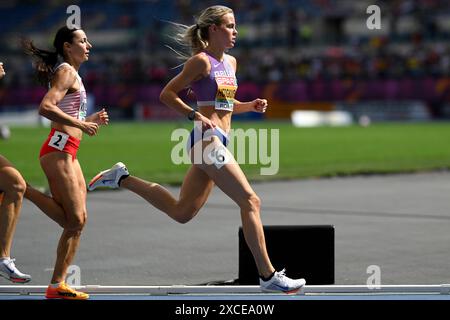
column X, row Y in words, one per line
column 100, row 117
column 2, row 70
column 257, row 105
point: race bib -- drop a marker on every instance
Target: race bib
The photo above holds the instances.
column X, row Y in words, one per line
column 58, row 140
column 83, row 108
column 226, row 90
column 219, row 156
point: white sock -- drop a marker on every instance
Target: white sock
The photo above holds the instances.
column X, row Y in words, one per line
column 55, row 285
column 3, row 259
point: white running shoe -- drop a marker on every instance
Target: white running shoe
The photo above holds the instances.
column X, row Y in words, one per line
column 281, row 283
column 109, row 178
column 9, row 271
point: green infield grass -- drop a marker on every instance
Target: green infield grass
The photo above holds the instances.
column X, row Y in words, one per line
column 146, row 149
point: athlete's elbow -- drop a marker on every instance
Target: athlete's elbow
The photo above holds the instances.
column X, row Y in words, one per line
column 163, row 96
column 166, row 97
column 44, row 109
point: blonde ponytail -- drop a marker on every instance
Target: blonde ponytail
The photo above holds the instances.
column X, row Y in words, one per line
column 195, row 37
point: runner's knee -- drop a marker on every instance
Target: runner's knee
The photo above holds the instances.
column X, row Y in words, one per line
column 184, row 215
column 251, row 203
column 76, row 224
column 17, row 188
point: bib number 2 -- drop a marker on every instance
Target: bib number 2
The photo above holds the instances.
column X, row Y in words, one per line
column 58, row 140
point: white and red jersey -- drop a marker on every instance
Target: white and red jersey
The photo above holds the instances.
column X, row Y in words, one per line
column 74, row 104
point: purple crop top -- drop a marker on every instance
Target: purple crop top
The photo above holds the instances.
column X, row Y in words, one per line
column 219, row 88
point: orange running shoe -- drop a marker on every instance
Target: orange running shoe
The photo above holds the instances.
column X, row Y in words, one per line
column 63, row 291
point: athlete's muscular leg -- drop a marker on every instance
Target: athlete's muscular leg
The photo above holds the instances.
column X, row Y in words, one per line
column 194, row 192
column 65, row 183
column 232, row 181
column 12, row 186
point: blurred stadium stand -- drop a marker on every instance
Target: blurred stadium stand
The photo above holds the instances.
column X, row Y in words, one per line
column 296, row 53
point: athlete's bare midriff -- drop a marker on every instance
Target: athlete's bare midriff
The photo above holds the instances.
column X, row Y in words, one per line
column 221, row 118
column 71, row 131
